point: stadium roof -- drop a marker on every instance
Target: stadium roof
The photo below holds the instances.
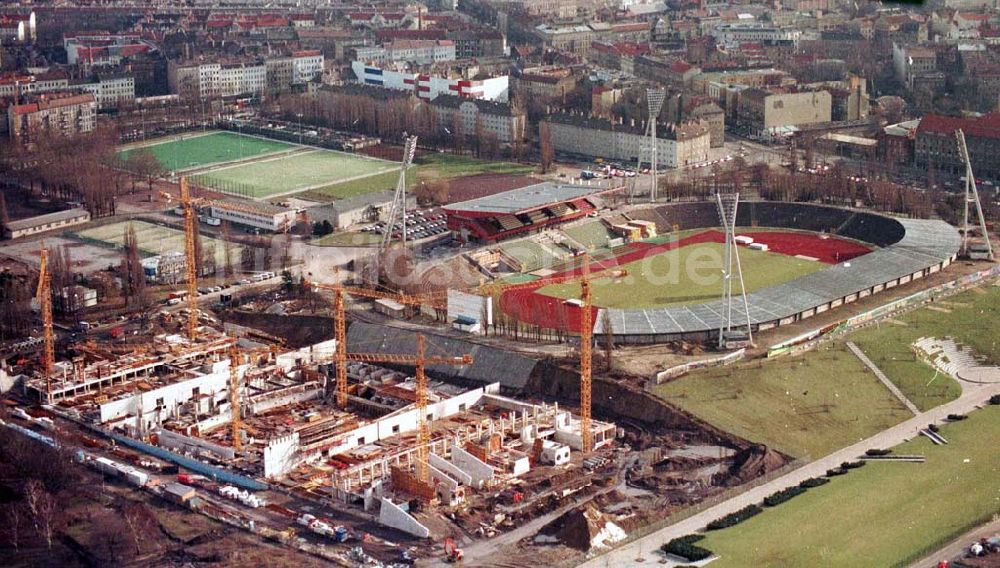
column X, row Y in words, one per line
column 527, row 198
column 925, row 243
column 489, row 364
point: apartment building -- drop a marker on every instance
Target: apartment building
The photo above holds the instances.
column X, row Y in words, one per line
column 763, row 113
column 912, row 62
column 19, row 27
column 109, row 89
column 17, row 84
column 55, row 113
column 92, row 49
column 544, row 83
column 734, row 34
column 419, row 51
column 935, row 143
column 478, row 116
column 677, row 145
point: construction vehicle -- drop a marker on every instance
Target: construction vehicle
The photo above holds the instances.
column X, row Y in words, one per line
column 451, row 552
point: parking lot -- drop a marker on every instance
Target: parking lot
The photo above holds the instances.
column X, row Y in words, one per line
column 420, row 224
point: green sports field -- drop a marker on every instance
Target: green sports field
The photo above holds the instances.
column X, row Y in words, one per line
column 197, row 150
column 688, row 275
column 884, row 514
column 155, row 239
column 293, row 173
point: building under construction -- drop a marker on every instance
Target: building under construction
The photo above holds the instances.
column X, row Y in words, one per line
column 179, row 394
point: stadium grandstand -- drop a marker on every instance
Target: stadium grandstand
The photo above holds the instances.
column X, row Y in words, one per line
column 908, row 249
column 519, row 212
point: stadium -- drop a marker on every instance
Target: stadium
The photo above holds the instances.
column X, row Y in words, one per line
column 808, row 259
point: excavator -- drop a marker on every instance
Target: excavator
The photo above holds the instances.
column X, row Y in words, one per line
column 452, row 553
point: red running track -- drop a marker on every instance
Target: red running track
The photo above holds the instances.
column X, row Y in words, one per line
column 528, row 306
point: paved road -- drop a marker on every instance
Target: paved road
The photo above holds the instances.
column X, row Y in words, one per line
column 959, row 546
column 973, row 396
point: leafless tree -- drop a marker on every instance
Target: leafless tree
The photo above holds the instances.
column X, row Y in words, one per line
column 42, row 507
column 139, row 520
column 133, row 276
column 12, row 514
column 609, row 338
column 548, row 153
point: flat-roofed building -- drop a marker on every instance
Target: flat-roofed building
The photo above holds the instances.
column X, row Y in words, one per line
column 253, row 214
column 43, row 223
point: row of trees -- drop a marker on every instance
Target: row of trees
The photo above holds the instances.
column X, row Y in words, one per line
column 69, row 168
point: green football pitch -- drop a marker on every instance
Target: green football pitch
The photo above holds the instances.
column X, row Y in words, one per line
column 293, row 173
column 688, row 275
column 191, row 151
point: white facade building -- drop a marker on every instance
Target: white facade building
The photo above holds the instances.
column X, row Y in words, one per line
column 258, row 215
column 429, row 87
column 739, row 33
column 421, row 52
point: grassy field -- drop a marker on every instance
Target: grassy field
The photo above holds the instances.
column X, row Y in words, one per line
column 806, row 406
column 199, row 150
column 296, row 172
column 888, row 345
column 156, row 240
column 687, row 275
column 430, row 166
column 884, row 514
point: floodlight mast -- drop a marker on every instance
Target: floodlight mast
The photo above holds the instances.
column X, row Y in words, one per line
column 654, row 100
column 398, row 207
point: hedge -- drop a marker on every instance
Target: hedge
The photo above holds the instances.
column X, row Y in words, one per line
column 814, row 482
column 734, row 518
column 995, row 399
column 685, row 548
column 780, row 497
column 852, row 465
column 933, row 428
column 956, row 417
column 835, row 472
column 877, row 452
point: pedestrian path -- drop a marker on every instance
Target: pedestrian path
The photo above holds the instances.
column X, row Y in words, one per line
column 881, row 376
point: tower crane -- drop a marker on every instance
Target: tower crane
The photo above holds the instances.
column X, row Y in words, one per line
column 340, row 325
column 586, row 356
column 236, row 358
column 420, row 361
column 44, row 295
column 190, row 228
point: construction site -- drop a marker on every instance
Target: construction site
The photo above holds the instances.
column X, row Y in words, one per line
column 372, row 430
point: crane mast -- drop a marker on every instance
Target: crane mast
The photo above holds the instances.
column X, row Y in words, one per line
column 234, row 396
column 420, row 361
column 423, row 428
column 44, row 296
column 586, row 359
column 190, row 228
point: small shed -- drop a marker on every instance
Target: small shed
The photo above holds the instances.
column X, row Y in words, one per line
column 179, row 493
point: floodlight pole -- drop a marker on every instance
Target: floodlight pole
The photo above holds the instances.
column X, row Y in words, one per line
column 654, row 100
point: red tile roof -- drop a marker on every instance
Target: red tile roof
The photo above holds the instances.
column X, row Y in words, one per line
column 986, row 126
